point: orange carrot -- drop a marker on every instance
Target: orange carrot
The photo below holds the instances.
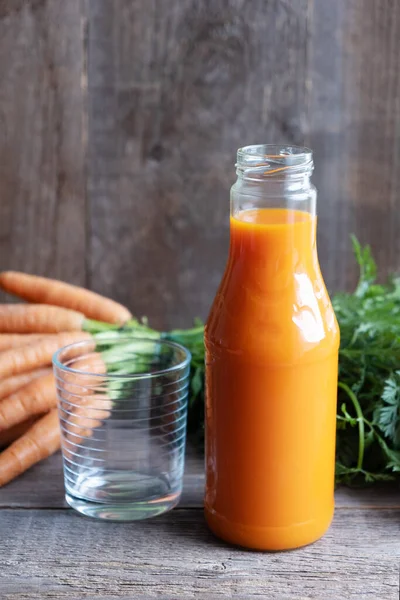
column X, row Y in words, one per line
column 12, row 384
column 52, row 291
column 74, row 385
column 83, row 404
column 36, row 398
column 39, row 442
column 39, row 354
column 79, row 422
column 38, row 318
column 14, row 340
column 10, row 435
column 84, row 364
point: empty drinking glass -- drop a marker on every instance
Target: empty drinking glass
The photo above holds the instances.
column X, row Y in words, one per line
column 123, row 411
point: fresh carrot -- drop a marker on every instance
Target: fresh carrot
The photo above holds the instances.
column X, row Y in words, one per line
column 79, row 422
column 39, row 354
column 10, row 435
column 40, row 441
column 38, row 318
column 12, row 384
column 51, row 291
column 90, row 364
column 14, row 340
column 36, row 398
column 85, row 379
column 83, row 404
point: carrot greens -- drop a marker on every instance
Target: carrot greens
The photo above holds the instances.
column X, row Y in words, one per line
column 368, row 412
column 368, row 420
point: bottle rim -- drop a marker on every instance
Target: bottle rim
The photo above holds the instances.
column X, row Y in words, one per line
column 260, row 161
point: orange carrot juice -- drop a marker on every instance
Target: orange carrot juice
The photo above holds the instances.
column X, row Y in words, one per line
column 271, row 381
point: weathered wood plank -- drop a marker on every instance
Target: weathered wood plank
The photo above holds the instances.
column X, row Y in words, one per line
column 42, row 486
column 175, row 556
column 354, row 83
column 327, row 137
column 174, row 89
column 42, row 138
column 204, row 76
column 215, row 77
column 25, row 492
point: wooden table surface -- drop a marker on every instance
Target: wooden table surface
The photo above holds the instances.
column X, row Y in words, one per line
column 49, row 551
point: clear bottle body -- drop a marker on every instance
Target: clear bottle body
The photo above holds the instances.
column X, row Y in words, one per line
column 271, row 363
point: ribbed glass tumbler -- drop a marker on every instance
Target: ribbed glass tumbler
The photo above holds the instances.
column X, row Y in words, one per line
column 123, row 413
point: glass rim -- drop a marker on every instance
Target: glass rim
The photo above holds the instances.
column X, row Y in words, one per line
column 275, row 159
column 277, row 151
column 132, row 376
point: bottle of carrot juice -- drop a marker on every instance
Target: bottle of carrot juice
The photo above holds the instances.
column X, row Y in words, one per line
column 272, row 344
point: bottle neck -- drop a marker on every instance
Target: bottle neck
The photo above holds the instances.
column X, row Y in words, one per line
column 290, row 193
column 273, row 225
column 276, row 177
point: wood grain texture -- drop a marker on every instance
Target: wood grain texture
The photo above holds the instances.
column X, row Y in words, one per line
column 175, row 556
column 25, row 492
column 328, row 80
column 354, row 121
column 42, row 146
column 174, row 90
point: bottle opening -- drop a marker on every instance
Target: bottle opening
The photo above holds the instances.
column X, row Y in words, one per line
column 268, row 160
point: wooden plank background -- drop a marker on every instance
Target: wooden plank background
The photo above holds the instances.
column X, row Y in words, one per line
column 119, row 123
column 56, row 555
column 48, row 551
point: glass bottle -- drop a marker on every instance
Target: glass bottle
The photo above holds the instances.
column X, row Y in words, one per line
column 272, row 343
